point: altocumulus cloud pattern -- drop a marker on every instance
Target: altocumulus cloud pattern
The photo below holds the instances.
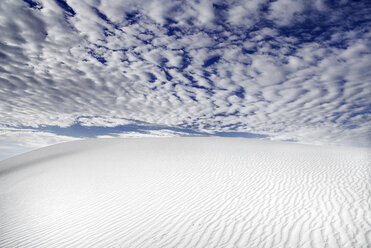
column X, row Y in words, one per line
column 287, row 69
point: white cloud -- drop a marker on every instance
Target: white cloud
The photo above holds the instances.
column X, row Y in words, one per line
column 164, row 133
column 283, row 11
column 245, row 13
column 103, row 121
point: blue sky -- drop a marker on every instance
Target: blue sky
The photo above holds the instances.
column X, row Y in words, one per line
column 280, row 70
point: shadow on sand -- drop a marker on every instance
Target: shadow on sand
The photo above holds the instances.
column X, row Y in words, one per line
column 15, row 164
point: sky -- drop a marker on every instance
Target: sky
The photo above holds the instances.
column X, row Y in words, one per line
column 289, row 70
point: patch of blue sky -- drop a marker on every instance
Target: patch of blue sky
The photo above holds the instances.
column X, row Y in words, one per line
column 251, row 50
column 104, row 17
column 78, row 131
column 99, row 58
column 240, row 93
column 33, row 4
column 151, row 77
column 172, row 29
column 212, row 60
column 220, row 12
column 132, row 17
column 185, row 61
column 64, row 5
column 107, row 32
column 167, row 75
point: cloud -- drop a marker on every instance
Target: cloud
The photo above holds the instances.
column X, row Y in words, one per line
column 163, row 133
column 245, row 13
column 103, row 121
column 282, row 12
column 293, row 70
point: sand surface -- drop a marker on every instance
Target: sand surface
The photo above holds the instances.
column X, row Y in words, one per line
column 186, row 192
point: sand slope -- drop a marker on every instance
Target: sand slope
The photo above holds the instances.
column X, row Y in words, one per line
column 186, row 192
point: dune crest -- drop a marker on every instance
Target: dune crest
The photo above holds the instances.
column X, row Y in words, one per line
column 186, row 192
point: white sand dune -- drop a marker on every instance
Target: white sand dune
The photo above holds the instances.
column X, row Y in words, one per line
column 186, row 192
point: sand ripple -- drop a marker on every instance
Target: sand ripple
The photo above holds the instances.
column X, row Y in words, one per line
column 186, row 192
